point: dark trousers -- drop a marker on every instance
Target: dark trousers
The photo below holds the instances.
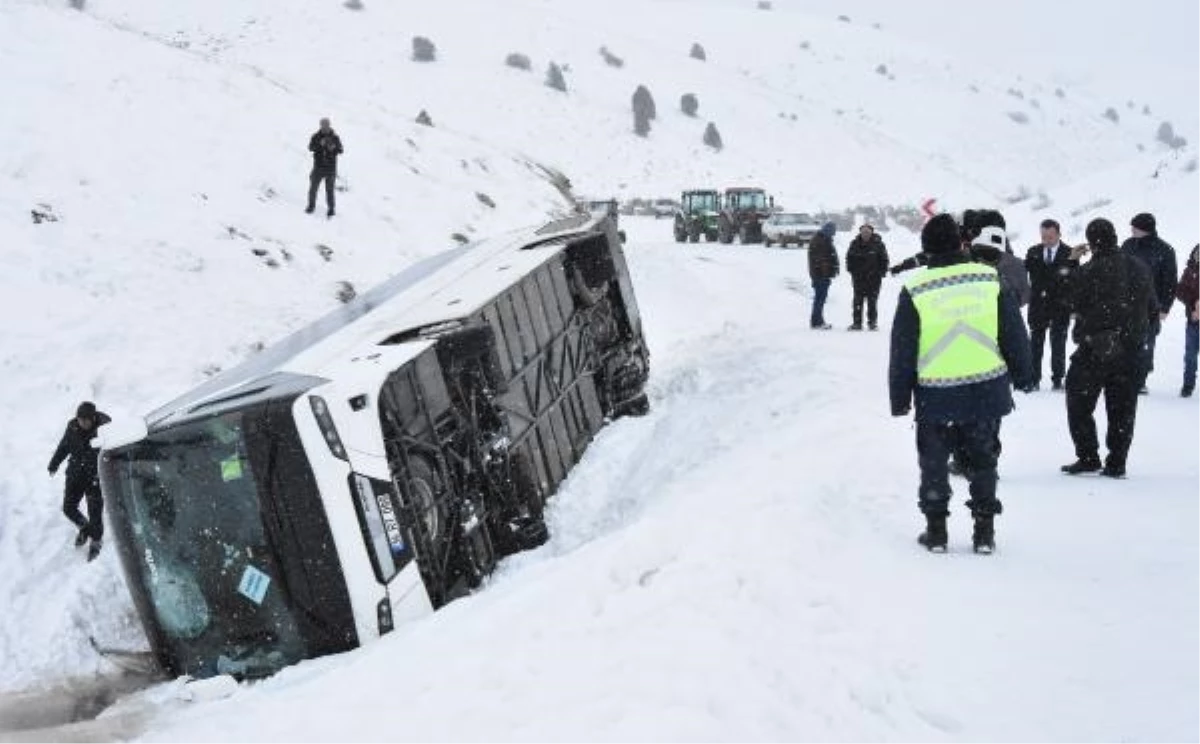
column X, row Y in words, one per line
column 77, row 488
column 1191, row 348
column 1086, row 380
column 820, row 293
column 1147, row 356
column 1058, row 349
column 314, row 182
column 976, row 442
column 868, row 292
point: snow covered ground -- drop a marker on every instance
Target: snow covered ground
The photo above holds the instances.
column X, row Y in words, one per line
column 741, row 562
column 741, row 565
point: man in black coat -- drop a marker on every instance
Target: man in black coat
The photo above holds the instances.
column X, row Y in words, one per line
column 325, row 145
column 957, row 360
column 1114, row 303
column 867, row 262
column 82, row 476
column 1050, row 267
column 1159, row 258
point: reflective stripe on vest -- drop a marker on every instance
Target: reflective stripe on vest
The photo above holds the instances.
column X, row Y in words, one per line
column 960, row 321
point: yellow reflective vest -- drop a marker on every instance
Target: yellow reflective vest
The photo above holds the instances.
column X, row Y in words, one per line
column 960, row 323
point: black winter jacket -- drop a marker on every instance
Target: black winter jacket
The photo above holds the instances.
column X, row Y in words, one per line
column 76, row 444
column 1114, row 303
column 980, row 401
column 325, row 147
column 822, row 258
column 1159, row 258
column 867, row 261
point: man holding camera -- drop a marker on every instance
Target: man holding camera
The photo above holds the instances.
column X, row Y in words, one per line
column 325, row 145
column 1114, row 303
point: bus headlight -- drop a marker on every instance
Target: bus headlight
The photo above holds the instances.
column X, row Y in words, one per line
column 328, row 430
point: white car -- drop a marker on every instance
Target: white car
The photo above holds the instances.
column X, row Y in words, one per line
column 790, row 227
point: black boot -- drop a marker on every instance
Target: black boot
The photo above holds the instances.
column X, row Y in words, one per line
column 1083, row 465
column 93, row 550
column 984, row 537
column 82, row 537
column 934, row 537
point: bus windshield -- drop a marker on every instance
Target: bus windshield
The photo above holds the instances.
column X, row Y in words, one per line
column 198, row 552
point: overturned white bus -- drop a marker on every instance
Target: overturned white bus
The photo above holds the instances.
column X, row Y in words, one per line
column 375, row 465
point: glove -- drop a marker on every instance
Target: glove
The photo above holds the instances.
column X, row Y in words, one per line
column 52, row 471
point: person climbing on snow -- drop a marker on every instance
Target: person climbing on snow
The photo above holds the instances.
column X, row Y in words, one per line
column 958, row 345
column 82, row 476
column 823, row 266
column 325, row 145
column 866, row 262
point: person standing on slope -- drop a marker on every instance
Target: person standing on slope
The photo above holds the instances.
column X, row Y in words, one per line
column 82, row 475
column 1159, row 257
column 823, row 266
column 325, row 145
column 1050, row 267
column 1188, row 293
column 867, row 262
column 1113, row 299
column 958, row 345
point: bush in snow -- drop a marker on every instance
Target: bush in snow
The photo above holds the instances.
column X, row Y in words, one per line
column 459, row 238
column 644, row 111
column 689, row 104
column 881, row 70
column 555, row 79
column 1060, row 93
column 485, row 200
column 345, row 292
column 1019, row 117
column 1167, row 136
column 712, row 137
column 1043, row 202
column 423, row 50
column 1190, row 166
column 644, row 102
column 423, row 119
column 764, row 4
column 1146, row 110
column 77, row 4
column 698, row 52
column 353, row 4
column 611, row 59
column 844, row 18
column 1016, row 93
column 1111, row 114
column 519, row 61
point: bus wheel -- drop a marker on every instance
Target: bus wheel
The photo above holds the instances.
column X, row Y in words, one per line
column 423, row 485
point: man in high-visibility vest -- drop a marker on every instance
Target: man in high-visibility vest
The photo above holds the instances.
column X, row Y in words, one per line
column 959, row 346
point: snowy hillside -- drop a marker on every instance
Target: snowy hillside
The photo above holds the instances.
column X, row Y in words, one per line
column 162, row 146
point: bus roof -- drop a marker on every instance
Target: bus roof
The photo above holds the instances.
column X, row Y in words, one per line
column 445, row 287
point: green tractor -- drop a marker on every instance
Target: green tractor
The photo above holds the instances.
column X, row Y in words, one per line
column 743, row 214
column 697, row 215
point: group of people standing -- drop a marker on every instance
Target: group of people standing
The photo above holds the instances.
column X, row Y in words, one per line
column 867, row 262
column 960, row 346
